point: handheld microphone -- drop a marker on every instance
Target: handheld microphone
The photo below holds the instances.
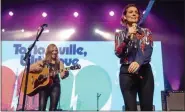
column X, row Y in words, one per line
column 132, row 35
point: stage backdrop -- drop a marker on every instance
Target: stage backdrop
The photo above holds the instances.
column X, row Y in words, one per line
column 98, row 74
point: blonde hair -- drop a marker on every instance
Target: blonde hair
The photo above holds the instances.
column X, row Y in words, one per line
column 48, row 54
column 123, row 21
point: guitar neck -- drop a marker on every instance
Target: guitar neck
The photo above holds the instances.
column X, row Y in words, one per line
column 58, row 71
column 67, row 68
column 61, row 70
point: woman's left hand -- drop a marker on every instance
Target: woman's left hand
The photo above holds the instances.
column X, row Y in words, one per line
column 64, row 74
column 133, row 67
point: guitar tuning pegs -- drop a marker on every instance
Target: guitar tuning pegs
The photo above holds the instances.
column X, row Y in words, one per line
column 79, row 66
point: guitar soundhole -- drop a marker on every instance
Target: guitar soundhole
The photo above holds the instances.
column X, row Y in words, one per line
column 40, row 77
column 39, row 81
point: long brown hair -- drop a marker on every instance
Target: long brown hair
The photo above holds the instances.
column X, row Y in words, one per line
column 124, row 21
column 48, row 55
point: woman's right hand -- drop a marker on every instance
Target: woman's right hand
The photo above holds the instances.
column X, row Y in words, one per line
column 132, row 30
column 36, row 67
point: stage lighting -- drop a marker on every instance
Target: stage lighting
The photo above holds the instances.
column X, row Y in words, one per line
column 46, row 31
column 97, row 30
column 117, row 30
column 144, row 12
column 44, row 14
column 3, row 30
column 22, row 30
column 66, row 34
column 105, row 35
column 111, row 13
column 75, row 14
column 11, row 13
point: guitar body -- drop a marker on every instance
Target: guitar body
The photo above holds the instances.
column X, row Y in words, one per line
column 36, row 81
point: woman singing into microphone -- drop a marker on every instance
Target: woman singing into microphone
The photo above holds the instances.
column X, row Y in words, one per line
column 134, row 46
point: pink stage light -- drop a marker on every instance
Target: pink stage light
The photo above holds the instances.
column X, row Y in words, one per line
column 75, row 14
column 111, row 13
column 44, row 14
column 11, row 13
column 3, row 30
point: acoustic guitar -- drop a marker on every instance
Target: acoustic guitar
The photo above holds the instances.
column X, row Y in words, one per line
column 39, row 80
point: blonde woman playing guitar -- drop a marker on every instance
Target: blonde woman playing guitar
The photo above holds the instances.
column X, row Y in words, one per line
column 52, row 65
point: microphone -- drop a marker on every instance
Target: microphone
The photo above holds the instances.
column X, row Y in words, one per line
column 44, row 25
column 132, row 35
column 41, row 28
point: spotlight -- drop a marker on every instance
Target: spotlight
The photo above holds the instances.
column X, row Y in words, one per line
column 46, row 31
column 44, row 14
column 75, row 14
column 117, row 30
column 11, row 13
column 111, row 13
column 22, row 30
column 105, row 35
column 144, row 12
column 97, row 30
column 3, row 30
column 66, row 34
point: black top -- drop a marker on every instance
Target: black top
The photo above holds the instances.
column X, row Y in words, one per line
column 55, row 77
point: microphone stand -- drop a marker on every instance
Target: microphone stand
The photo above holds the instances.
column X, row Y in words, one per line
column 98, row 95
column 27, row 59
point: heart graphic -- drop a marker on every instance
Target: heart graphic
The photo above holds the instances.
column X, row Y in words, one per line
column 8, row 81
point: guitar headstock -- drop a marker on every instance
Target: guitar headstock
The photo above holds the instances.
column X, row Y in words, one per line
column 75, row 67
